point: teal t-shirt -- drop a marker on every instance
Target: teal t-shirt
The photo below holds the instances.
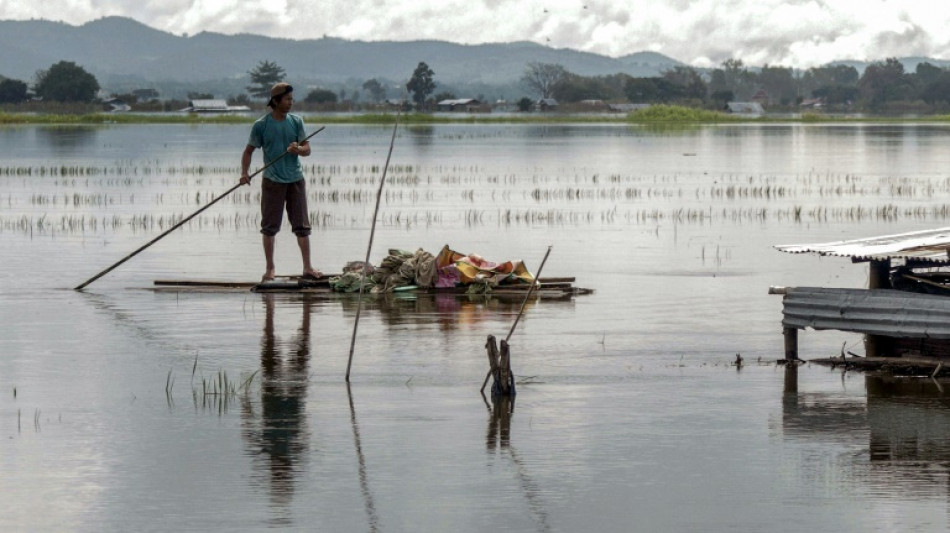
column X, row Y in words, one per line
column 274, row 136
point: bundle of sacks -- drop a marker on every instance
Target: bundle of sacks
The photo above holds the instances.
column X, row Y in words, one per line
column 421, row 269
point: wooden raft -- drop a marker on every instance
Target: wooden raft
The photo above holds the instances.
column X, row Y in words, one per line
column 562, row 287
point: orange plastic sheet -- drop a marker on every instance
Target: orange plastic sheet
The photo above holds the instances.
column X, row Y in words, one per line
column 456, row 268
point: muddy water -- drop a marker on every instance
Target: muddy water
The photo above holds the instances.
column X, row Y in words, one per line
column 630, row 416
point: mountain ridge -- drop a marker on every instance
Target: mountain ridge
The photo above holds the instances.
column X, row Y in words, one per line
column 120, row 50
column 125, row 54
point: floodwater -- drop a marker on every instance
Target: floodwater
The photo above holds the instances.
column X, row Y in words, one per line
column 630, row 415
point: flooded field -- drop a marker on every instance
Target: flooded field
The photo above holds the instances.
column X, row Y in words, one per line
column 125, row 408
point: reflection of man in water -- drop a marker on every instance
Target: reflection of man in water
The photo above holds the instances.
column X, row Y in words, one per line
column 279, row 438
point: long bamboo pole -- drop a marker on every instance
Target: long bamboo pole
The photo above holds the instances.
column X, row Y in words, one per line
column 369, row 248
column 183, row 221
column 528, row 294
column 521, row 311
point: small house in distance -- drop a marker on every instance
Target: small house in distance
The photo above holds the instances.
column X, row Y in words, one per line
column 752, row 109
column 593, row 104
column 762, row 97
column 547, row 104
column 467, row 105
column 626, row 108
column 116, row 105
column 214, row 106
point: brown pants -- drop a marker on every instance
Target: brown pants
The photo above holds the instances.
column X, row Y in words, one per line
column 274, row 197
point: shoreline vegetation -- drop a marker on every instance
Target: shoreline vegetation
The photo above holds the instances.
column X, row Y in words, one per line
column 657, row 114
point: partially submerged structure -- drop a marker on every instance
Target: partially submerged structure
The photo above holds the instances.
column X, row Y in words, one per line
column 116, row 105
column 904, row 312
column 214, row 106
column 746, row 109
column 626, row 108
column 467, row 105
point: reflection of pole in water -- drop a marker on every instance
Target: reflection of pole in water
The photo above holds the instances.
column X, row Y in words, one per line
column 364, row 480
column 499, row 437
column 791, row 379
column 790, row 410
column 279, row 438
column 531, row 492
column 369, row 248
column 499, row 421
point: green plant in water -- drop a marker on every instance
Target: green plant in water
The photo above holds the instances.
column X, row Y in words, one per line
column 675, row 113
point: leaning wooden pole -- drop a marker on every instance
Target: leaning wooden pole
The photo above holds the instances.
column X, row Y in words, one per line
column 520, row 312
column 528, row 294
column 369, row 248
column 184, row 220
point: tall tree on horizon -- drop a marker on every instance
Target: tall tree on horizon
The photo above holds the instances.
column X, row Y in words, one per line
column 885, row 81
column 542, row 78
column 263, row 77
column 421, row 84
column 376, row 89
column 66, row 82
column 13, row 91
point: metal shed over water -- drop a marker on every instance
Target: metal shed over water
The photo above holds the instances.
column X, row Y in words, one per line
column 904, row 311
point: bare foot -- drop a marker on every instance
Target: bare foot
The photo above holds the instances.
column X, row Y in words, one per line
column 312, row 274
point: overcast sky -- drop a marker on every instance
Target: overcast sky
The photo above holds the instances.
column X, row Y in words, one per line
column 799, row 33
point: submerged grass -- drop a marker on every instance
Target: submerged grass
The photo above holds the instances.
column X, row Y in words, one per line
column 218, row 391
column 51, row 200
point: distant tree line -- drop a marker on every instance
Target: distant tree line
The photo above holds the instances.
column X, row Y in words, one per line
column 64, row 81
column 266, row 73
column 883, row 84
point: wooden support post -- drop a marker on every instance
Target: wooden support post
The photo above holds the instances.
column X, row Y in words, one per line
column 879, row 274
column 791, row 344
column 877, row 346
column 499, row 362
column 504, row 366
column 492, row 347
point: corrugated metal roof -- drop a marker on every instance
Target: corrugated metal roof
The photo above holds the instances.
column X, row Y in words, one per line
column 929, row 245
column 871, row 311
column 458, row 101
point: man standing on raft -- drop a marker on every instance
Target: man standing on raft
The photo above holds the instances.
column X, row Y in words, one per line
column 283, row 185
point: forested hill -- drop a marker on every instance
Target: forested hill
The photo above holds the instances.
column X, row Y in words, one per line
column 115, row 49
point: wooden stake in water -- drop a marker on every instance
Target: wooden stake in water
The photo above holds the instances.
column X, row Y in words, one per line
column 369, row 248
column 521, row 311
column 183, row 221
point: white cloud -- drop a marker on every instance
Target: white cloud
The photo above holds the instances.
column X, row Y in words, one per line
column 703, row 32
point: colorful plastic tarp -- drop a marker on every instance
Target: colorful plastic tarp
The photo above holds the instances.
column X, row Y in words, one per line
column 455, row 268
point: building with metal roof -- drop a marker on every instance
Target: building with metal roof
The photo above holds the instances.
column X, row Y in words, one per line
column 214, row 106
column 930, row 246
column 905, row 311
column 461, row 104
column 745, row 108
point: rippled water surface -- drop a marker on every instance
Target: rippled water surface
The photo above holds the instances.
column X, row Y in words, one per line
column 630, row 415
